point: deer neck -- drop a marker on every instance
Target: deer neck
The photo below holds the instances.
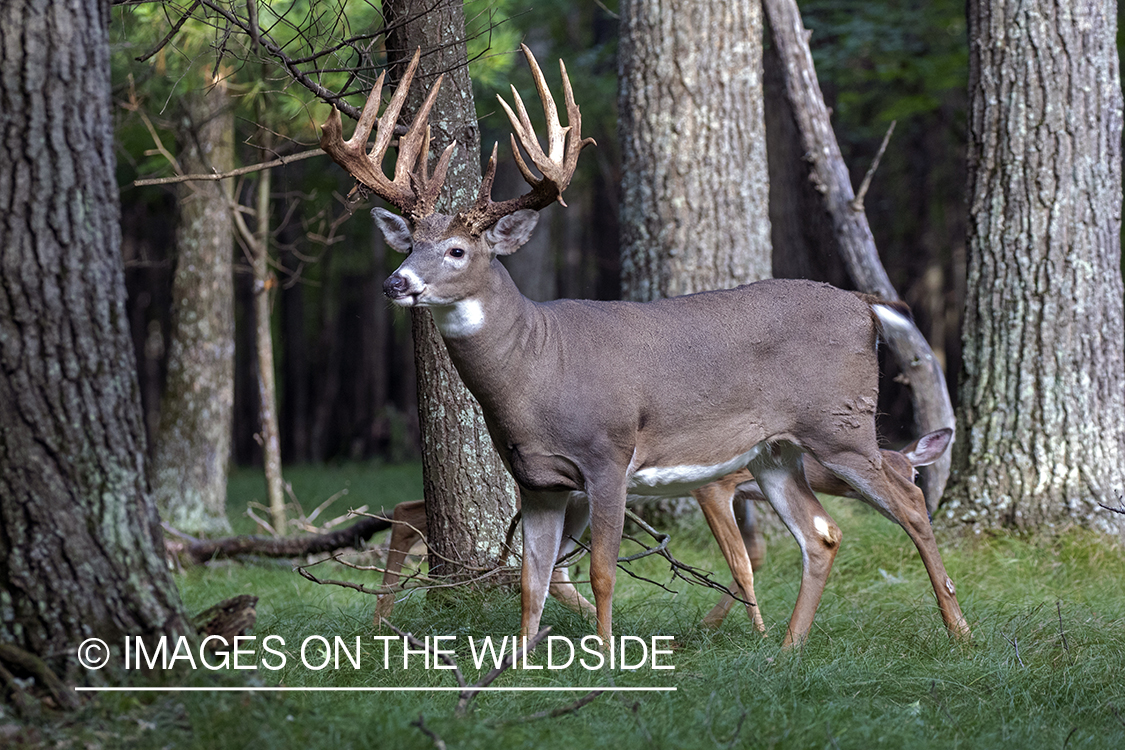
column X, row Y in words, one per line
column 491, row 336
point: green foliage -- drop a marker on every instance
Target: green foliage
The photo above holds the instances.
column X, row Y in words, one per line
column 889, row 60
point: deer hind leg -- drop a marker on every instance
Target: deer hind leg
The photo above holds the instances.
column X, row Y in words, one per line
column 409, row 526
column 780, row 476
column 752, row 539
column 565, row 592
column 900, row 499
column 715, row 501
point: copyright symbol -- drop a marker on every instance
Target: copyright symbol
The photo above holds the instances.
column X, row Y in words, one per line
column 93, row 653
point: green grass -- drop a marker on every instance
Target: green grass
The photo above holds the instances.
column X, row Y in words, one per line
column 1045, row 668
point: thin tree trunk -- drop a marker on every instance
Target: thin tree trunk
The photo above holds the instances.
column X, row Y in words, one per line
column 470, row 497
column 81, row 553
column 192, row 448
column 932, row 407
column 264, row 283
column 1043, row 382
column 695, row 189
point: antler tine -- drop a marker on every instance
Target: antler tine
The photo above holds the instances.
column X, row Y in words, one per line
column 556, row 133
column 573, row 118
column 557, row 166
column 412, row 191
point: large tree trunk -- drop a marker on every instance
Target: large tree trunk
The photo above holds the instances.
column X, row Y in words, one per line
column 1043, row 382
column 470, row 497
column 192, row 451
column 80, row 552
column 695, row 181
column 695, row 188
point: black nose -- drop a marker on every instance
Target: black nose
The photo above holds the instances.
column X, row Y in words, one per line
column 395, row 286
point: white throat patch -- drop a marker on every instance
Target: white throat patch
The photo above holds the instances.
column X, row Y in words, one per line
column 460, row 319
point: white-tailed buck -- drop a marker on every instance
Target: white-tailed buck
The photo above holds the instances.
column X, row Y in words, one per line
column 737, row 491
column 588, row 402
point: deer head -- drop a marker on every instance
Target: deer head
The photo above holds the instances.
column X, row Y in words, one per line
column 448, row 256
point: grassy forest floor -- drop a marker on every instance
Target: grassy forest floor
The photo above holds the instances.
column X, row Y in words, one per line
column 1045, row 667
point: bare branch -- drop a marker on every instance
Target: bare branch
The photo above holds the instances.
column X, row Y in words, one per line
column 555, row 712
column 445, row 658
column 278, row 162
column 174, row 30
column 468, row 695
column 857, row 202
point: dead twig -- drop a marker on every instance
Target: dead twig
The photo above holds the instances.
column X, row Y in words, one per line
column 1062, row 633
column 553, row 713
column 445, row 658
column 857, row 202
column 467, row 695
column 215, row 176
column 168, row 37
column 439, row 743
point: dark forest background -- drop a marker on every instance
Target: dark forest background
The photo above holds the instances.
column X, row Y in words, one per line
column 343, row 357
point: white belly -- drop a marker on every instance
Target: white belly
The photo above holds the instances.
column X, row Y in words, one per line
column 676, row 481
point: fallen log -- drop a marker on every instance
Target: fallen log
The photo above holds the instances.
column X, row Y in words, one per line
column 192, row 551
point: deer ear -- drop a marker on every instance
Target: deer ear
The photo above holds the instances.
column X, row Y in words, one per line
column 926, row 449
column 508, row 235
column 395, row 229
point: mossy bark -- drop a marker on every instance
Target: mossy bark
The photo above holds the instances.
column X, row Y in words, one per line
column 80, row 541
column 470, row 496
column 1042, row 422
column 192, row 446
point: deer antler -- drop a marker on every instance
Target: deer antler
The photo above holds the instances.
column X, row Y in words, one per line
column 557, row 166
column 412, row 190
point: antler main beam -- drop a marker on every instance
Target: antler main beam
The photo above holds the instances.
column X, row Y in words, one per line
column 557, row 165
column 412, row 190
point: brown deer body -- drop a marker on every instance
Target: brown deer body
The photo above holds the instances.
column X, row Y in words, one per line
column 588, row 402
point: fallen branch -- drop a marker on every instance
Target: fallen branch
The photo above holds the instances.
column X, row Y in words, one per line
column 472, row 692
column 439, row 743
column 27, row 663
column 197, row 551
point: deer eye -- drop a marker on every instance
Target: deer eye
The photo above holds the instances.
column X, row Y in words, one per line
column 456, row 252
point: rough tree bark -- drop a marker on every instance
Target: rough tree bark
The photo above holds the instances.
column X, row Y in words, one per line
column 470, row 497
column 1043, row 381
column 192, row 445
column 695, row 187
column 80, row 541
column 932, row 407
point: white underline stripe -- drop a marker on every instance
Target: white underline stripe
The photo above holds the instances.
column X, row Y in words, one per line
column 282, row 689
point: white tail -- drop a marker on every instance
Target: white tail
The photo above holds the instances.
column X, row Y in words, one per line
column 587, row 402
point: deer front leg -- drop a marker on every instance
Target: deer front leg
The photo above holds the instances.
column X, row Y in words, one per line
column 607, row 521
column 543, row 519
column 782, row 480
column 577, row 518
column 715, row 501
